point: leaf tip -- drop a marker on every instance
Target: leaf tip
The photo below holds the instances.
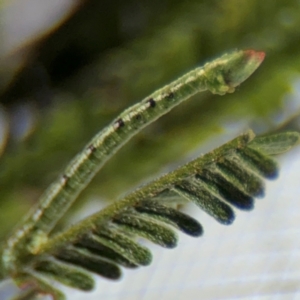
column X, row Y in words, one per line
column 230, row 70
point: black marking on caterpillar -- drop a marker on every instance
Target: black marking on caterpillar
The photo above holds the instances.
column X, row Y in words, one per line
column 92, row 148
column 65, row 179
column 151, row 102
column 120, row 123
column 138, row 117
column 170, row 96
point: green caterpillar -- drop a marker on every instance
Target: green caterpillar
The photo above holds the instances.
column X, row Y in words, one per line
column 219, row 76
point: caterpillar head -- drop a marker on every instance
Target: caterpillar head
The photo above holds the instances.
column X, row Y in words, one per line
column 230, row 70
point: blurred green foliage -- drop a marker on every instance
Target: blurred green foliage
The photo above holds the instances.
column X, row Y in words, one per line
column 108, row 56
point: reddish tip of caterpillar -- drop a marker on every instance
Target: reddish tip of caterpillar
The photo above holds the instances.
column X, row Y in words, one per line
column 242, row 64
column 256, row 55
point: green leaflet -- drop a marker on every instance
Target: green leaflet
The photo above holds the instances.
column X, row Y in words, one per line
column 128, row 257
column 170, row 216
column 275, row 143
column 123, row 245
column 205, row 200
column 237, row 172
column 87, row 260
column 262, row 164
column 150, row 229
column 220, row 185
column 65, row 274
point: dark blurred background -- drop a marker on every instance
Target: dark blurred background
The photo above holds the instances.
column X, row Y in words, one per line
column 68, row 67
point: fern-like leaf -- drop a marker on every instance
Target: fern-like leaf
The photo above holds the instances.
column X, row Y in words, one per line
column 233, row 174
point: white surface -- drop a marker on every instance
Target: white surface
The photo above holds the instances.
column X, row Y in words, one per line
column 257, row 257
